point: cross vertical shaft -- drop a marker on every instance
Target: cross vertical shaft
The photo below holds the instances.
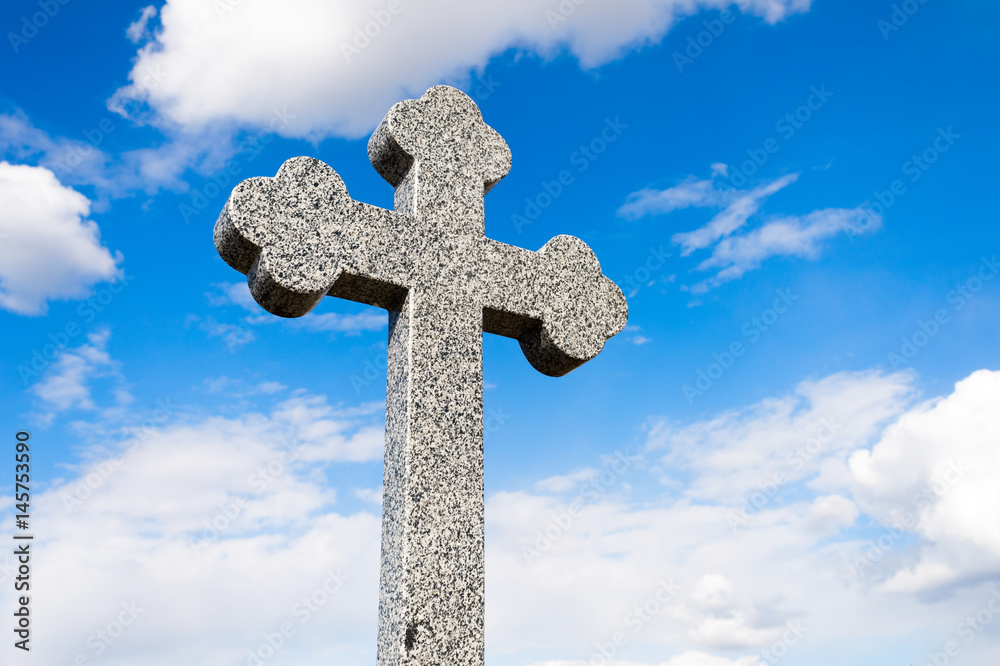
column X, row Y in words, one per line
column 432, row 587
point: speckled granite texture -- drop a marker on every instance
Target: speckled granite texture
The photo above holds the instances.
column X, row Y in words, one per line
column 299, row 236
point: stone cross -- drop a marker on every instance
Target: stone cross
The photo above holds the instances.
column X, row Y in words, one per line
column 299, row 236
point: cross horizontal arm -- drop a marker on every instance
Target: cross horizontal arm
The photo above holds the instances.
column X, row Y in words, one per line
column 299, row 236
column 555, row 302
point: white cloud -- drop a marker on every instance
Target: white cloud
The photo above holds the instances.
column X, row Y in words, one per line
column 733, row 256
column 936, row 472
column 235, row 293
column 740, row 206
column 690, row 192
column 48, row 249
column 702, row 659
column 565, row 482
column 738, row 592
column 66, row 384
column 829, row 513
column 73, row 161
column 78, row 162
column 137, row 31
column 238, row 334
column 734, row 453
column 789, row 236
column 270, row 387
column 229, row 62
column 215, row 528
column 321, row 428
column 369, row 495
column 344, row 323
column 792, row 562
column 691, row 658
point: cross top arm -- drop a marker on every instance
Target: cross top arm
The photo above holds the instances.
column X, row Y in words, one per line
column 441, row 133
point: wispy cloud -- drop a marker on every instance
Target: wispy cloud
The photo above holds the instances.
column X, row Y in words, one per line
column 690, row 192
column 66, row 384
column 739, row 207
column 138, row 30
column 781, row 237
column 344, row 323
column 734, row 254
column 242, row 332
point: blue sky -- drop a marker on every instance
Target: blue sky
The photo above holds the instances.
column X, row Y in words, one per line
column 795, row 197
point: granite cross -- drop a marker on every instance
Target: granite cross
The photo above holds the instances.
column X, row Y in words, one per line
column 299, row 236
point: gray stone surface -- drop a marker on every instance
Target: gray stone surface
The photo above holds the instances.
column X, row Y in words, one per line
column 299, row 236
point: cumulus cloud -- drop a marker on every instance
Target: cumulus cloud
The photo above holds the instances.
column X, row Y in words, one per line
column 203, row 517
column 743, row 590
column 229, row 62
column 734, row 453
column 214, row 528
column 691, row 658
column 48, row 249
column 935, row 473
column 732, row 256
column 702, row 659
